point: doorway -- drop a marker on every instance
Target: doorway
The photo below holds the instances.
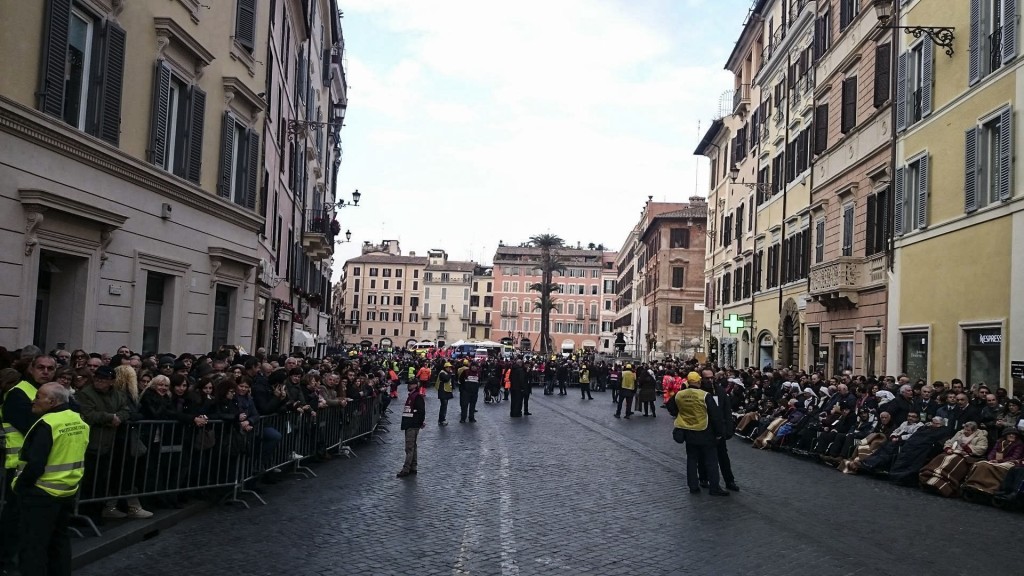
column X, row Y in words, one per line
column 221, row 316
column 60, row 300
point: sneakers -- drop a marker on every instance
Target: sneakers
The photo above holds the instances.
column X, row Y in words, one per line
column 112, row 513
column 138, row 513
column 297, row 456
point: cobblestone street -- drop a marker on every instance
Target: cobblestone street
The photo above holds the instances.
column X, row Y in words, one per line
column 571, row 490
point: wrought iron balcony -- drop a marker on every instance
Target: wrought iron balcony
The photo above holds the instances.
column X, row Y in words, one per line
column 509, row 314
column 740, row 98
column 318, row 234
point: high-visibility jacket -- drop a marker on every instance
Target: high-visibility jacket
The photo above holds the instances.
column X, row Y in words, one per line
column 66, row 464
column 693, row 410
column 628, row 380
column 14, row 438
column 585, row 376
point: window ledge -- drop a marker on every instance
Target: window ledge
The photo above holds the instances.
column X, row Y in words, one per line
column 192, row 6
column 168, row 30
column 240, row 54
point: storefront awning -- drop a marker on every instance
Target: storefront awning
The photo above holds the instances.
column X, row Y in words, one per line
column 303, row 339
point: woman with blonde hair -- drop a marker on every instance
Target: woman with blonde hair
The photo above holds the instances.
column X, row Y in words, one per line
column 133, row 472
column 126, row 380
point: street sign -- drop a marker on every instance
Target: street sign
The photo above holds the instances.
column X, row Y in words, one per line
column 733, row 323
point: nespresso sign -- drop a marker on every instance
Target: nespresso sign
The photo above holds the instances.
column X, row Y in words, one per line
column 986, row 338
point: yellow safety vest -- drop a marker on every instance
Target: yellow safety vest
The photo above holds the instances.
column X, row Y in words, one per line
column 66, row 464
column 585, row 377
column 15, row 439
column 628, row 380
column 693, row 411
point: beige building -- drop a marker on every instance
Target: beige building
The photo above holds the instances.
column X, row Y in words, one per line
column 446, row 298
column 481, row 304
column 130, row 136
column 382, row 296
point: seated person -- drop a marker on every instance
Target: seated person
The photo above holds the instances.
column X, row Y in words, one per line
column 781, row 425
column 917, row 450
column 987, row 476
column 947, row 471
column 840, row 421
column 868, row 445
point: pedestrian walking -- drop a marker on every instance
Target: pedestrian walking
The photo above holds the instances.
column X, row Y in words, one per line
column 724, row 406
column 626, row 392
column 585, row 383
column 413, row 418
column 51, row 465
column 469, row 391
column 698, row 424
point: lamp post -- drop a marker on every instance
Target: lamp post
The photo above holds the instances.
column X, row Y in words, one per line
column 342, row 203
column 941, row 36
column 348, row 237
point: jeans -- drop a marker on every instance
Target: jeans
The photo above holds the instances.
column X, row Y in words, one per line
column 45, row 545
column 697, row 456
column 411, row 434
column 467, row 401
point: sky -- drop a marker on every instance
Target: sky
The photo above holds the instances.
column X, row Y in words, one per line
column 477, row 121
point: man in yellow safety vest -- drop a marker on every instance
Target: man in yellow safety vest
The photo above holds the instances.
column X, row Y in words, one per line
column 50, row 468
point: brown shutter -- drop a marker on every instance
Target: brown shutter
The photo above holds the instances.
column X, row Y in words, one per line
column 252, row 169
column 54, row 60
column 158, row 121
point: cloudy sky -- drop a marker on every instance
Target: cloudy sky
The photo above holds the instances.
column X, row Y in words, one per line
column 474, row 121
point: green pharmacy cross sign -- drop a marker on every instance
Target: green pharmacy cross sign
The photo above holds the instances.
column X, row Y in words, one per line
column 733, row 323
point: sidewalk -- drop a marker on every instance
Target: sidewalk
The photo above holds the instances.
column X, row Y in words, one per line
column 120, row 534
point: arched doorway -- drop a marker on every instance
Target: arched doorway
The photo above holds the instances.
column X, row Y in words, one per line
column 789, row 334
column 765, row 350
column 786, row 349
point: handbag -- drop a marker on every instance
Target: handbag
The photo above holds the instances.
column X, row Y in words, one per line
column 203, row 439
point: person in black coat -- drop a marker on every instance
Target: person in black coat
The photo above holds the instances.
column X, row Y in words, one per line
column 520, row 388
column 699, row 426
column 708, row 384
column 414, row 416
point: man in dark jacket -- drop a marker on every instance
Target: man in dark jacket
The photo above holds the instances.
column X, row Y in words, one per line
column 698, row 424
column 724, row 405
column 517, row 383
column 413, row 417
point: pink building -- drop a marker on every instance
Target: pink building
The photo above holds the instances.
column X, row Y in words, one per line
column 576, row 320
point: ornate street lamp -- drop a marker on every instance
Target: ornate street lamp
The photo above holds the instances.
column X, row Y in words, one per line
column 941, row 36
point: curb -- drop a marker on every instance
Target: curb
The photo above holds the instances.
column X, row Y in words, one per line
column 117, row 537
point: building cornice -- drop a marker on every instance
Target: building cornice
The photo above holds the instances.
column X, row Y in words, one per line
column 170, row 29
column 39, row 129
column 64, row 204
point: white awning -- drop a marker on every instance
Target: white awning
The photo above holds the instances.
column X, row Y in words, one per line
column 303, row 339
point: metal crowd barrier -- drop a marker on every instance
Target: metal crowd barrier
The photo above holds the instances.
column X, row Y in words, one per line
column 153, row 458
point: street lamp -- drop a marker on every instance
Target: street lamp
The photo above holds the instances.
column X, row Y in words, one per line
column 355, row 201
column 348, row 237
column 941, row 36
column 734, row 174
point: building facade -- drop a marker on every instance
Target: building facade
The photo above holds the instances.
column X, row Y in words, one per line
column 446, row 298
column 382, row 296
column 845, row 317
column 132, row 204
column 956, row 306
column 575, row 321
column 481, row 306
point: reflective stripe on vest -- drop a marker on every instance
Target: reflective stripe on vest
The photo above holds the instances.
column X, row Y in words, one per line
column 65, row 464
column 15, row 439
column 693, row 411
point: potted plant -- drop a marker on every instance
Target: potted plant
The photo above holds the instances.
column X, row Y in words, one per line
column 315, row 300
column 335, row 228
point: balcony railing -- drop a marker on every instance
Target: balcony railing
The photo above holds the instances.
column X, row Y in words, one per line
column 579, row 315
column 442, row 315
column 318, row 234
column 740, row 97
column 509, row 314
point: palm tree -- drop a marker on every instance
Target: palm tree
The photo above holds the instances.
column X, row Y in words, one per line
column 549, row 264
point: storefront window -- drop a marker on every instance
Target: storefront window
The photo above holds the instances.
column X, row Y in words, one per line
column 915, row 355
column 843, row 357
column 872, row 352
column 984, row 347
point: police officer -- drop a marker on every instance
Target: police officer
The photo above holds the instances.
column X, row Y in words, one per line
column 50, row 468
column 18, row 417
column 698, row 424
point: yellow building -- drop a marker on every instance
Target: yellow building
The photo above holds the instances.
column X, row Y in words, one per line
column 956, row 308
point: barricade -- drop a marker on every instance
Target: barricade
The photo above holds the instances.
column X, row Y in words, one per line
column 153, row 458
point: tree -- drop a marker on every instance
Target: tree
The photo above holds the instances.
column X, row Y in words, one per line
column 549, row 264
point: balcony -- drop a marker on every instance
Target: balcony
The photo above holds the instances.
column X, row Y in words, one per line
column 579, row 315
column 442, row 315
column 442, row 333
column 464, row 317
column 740, row 98
column 593, row 316
column 836, row 284
column 318, row 234
column 427, row 315
column 509, row 314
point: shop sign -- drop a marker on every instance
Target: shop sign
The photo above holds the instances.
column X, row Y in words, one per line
column 986, row 338
column 1017, row 369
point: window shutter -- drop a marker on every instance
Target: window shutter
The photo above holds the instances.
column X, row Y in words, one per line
column 245, row 23
column 197, row 116
column 869, row 244
column 883, row 73
column 109, row 128
column 849, row 112
column 158, row 123
column 55, row 46
column 974, row 45
column 901, row 92
column 252, row 170
column 1009, row 30
column 817, row 39
column 928, row 77
column 971, row 170
column 227, row 145
column 848, row 230
column 899, row 183
column 821, row 128
column 922, row 193
column 844, row 14
column 1005, row 153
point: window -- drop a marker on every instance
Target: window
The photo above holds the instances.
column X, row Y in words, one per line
column 396, row 300
column 872, row 353
column 675, row 315
column 398, row 284
column 371, row 315
column 915, row 355
column 848, row 229
column 849, row 110
column 371, row 299
column 397, row 316
column 245, row 24
column 415, row 273
column 356, row 271
column 679, row 238
column 848, row 10
column 398, row 273
column 983, row 356
column 911, row 200
column 176, row 130
column 385, row 300
column 677, row 276
column 992, row 38
column 83, row 70
column 726, row 294
column 386, row 272
column 356, row 287
column 373, row 284
column 384, row 316
column 240, row 158
column 883, row 73
column 988, row 156
column 877, row 222
column 819, row 241
column 386, row 282
column 914, row 82
column 373, row 271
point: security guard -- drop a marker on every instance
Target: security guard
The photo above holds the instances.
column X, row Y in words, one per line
column 50, row 468
column 698, row 424
column 626, row 391
column 18, row 418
